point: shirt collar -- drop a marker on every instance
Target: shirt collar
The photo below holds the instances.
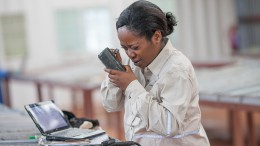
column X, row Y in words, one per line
column 156, row 65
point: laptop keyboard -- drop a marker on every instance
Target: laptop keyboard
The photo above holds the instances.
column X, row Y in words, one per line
column 72, row 132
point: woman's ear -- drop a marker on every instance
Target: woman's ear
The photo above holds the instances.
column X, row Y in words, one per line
column 157, row 37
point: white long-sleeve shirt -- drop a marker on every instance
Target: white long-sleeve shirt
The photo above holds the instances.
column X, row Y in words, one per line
column 161, row 105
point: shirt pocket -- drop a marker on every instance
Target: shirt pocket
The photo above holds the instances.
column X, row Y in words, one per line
column 130, row 119
column 133, row 121
column 136, row 121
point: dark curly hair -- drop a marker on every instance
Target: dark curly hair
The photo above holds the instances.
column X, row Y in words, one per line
column 144, row 18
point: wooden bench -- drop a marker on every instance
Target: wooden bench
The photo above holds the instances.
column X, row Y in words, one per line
column 235, row 87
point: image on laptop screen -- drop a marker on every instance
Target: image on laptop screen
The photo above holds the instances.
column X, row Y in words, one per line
column 48, row 116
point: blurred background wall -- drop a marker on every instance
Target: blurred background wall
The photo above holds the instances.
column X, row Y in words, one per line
column 36, row 34
column 60, row 40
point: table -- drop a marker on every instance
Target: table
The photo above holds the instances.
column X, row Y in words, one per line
column 235, row 87
column 16, row 127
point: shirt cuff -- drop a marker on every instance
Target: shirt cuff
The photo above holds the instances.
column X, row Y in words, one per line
column 134, row 90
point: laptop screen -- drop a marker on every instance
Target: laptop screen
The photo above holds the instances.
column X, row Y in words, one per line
column 47, row 116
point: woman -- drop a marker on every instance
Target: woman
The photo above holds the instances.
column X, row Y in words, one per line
column 158, row 91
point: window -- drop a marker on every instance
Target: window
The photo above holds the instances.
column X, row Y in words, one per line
column 97, row 23
column 247, row 38
column 83, row 30
column 14, row 35
column 70, row 30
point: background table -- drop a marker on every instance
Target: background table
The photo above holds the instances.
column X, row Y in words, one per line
column 235, row 87
column 16, row 127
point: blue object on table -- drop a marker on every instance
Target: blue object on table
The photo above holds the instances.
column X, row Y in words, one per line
column 3, row 74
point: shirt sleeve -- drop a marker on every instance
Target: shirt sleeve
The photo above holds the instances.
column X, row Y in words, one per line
column 166, row 117
column 112, row 97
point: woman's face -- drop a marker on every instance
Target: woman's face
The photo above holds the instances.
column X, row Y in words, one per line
column 139, row 49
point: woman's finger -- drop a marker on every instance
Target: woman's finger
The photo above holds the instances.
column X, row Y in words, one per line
column 111, row 76
column 118, row 57
column 110, row 71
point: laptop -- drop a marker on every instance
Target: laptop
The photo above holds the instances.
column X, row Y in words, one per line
column 51, row 122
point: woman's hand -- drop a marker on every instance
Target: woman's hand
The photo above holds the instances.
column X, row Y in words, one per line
column 121, row 79
column 117, row 54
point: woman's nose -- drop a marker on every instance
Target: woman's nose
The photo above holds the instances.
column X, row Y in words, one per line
column 130, row 53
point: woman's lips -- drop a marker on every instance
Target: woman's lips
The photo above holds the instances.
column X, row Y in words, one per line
column 137, row 61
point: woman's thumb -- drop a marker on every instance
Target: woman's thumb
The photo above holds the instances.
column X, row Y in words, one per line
column 127, row 67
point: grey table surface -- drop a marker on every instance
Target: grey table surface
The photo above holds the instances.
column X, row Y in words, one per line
column 236, row 83
column 16, row 128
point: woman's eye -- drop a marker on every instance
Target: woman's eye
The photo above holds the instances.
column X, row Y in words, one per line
column 134, row 48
